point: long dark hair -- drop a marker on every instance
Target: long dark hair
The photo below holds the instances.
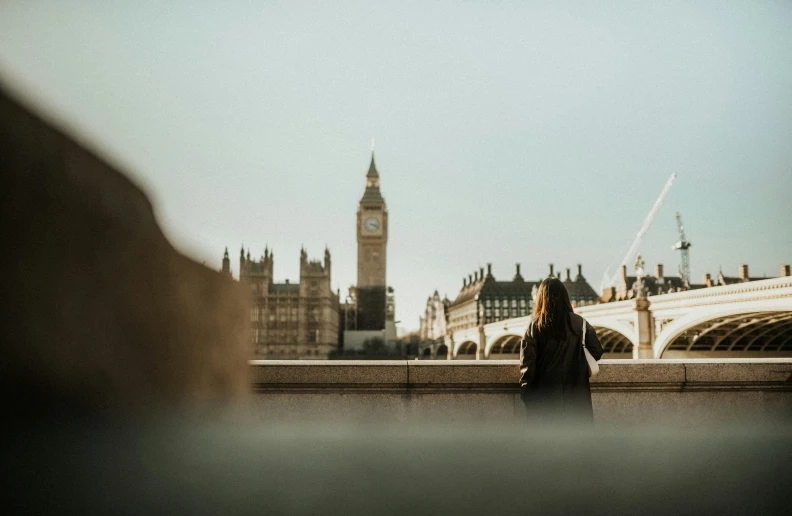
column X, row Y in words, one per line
column 551, row 309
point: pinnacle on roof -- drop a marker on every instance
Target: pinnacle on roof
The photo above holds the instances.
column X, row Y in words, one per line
column 518, row 276
column 372, row 193
column 372, row 171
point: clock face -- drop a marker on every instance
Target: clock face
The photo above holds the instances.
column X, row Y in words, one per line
column 371, row 224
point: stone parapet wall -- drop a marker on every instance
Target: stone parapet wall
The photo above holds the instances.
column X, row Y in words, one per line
column 638, row 391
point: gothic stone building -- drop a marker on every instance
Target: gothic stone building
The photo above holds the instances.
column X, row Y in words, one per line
column 290, row 320
column 370, row 308
column 372, row 240
column 483, row 300
column 434, row 319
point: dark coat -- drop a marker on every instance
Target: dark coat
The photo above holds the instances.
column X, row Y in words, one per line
column 554, row 377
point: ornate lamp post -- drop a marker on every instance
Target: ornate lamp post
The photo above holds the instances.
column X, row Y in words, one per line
column 640, row 289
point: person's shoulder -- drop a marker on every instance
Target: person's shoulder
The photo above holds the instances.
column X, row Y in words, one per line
column 577, row 320
column 530, row 331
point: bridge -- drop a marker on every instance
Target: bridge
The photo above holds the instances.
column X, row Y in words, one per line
column 743, row 320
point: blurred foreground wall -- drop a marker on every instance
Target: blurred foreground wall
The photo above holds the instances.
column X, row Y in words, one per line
column 687, row 392
column 100, row 310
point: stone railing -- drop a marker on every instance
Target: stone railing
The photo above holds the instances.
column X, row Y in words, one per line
column 687, row 391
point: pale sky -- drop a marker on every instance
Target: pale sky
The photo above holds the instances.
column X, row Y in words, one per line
column 531, row 132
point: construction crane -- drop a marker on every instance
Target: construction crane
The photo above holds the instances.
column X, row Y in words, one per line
column 610, row 281
column 683, row 245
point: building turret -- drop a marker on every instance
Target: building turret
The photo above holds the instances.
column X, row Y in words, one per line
column 489, row 272
column 372, row 176
column 226, row 264
column 517, row 275
column 327, row 262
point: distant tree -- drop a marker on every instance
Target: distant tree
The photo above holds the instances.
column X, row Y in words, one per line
column 374, row 346
column 408, row 344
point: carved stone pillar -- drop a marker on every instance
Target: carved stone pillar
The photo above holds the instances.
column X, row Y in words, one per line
column 644, row 329
column 482, row 343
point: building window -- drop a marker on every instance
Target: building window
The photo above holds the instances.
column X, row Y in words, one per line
column 487, row 303
column 312, row 336
column 254, row 313
column 497, row 303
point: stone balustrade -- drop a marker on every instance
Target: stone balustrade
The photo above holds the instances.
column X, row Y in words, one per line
column 636, row 391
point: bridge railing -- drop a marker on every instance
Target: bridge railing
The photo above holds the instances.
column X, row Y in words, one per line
column 738, row 292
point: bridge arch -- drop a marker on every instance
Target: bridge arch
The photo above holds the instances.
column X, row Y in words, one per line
column 502, row 343
column 442, row 352
column 614, row 328
column 730, row 328
column 614, row 342
column 466, row 349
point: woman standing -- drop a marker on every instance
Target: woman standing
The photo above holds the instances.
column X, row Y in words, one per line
column 554, row 379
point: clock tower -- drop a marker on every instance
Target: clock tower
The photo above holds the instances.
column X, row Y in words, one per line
column 372, row 233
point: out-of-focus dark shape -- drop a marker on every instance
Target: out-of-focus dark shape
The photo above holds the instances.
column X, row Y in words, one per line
column 245, row 467
column 101, row 312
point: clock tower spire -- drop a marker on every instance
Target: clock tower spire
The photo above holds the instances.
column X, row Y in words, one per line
column 372, row 231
